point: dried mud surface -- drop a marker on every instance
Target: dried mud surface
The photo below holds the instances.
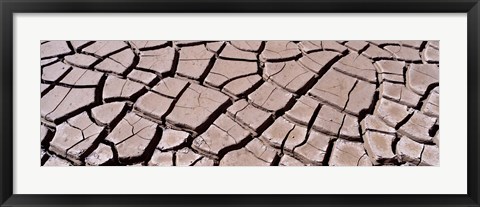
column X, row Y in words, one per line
column 239, row 103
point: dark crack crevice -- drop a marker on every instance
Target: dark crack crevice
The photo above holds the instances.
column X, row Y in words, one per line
column 328, row 152
column 309, row 126
column 349, row 93
column 433, row 131
column 152, row 146
column 282, row 146
column 424, row 97
column 147, row 153
column 404, row 121
column 395, row 142
column 421, row 155
column 371, row 109
column 276, row 160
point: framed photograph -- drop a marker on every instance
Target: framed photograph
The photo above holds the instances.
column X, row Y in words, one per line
column 201, row 103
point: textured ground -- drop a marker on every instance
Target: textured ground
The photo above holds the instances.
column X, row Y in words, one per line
column 254, row 103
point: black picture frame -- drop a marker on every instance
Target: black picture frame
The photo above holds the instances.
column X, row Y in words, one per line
column 10, row 7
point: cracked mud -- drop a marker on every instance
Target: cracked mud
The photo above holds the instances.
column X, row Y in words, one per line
column 239, row 103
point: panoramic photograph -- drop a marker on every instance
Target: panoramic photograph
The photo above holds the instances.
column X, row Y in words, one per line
column 239, row 103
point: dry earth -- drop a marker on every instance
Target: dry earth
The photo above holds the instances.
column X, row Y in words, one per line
column 240, row 103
